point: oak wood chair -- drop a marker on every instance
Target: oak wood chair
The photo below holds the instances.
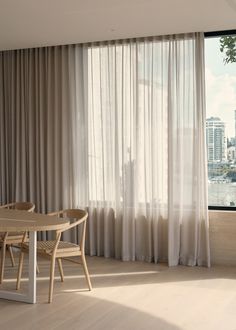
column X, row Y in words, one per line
column 58, row 250
column 8, row 239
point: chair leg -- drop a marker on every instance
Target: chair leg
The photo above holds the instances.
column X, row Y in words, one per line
column 11, row 256
column 86, row 272
column 19, row 274
column 37, row 269
column 2, row 261
column 52, row 271
column 60, row 269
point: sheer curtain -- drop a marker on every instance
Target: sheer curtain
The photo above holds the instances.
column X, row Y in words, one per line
column 146, row 149
column 188, row 239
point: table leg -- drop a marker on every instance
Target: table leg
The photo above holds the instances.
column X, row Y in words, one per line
column 30, row 296
column 32, row 267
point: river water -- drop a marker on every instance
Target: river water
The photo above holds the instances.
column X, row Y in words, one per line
column 222, row 194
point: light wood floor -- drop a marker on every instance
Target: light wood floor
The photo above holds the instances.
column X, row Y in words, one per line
column 128, row 295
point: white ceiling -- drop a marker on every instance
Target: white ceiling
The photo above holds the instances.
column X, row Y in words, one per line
column 34, row 23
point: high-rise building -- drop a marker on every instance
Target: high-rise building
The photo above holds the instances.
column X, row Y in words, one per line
column 216, row 140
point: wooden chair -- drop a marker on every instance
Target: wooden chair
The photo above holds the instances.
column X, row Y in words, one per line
column 58, row 250
column 7, row 240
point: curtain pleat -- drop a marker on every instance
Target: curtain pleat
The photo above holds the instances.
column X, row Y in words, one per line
column 187, row 196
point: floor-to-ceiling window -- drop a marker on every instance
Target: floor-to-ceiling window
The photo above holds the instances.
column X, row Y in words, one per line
column 220, row 68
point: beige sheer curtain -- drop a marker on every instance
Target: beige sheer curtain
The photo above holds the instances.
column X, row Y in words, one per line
column 36, row 115
column 127, row 148
column 146, row 145
column 188, row 236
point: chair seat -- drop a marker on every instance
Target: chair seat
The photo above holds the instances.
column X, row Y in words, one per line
column 48, row 246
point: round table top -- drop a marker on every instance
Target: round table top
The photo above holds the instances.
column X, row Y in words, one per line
column 14, row 220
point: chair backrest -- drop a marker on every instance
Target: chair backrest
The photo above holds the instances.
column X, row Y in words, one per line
column 22, row 206
column 77, row 217
column 78, row 214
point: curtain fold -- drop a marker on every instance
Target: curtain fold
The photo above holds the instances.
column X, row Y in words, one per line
column 188, row 241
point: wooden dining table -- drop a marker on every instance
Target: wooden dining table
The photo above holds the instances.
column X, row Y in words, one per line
column 23, row 221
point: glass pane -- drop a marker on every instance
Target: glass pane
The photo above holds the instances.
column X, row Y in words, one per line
column 220, row 122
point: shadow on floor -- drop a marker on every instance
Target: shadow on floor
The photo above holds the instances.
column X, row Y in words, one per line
column 77, row 311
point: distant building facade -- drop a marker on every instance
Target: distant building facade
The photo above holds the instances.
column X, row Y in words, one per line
column 231, row 153
column 216, row 140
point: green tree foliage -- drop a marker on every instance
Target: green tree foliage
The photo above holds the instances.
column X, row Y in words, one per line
column 228, row 48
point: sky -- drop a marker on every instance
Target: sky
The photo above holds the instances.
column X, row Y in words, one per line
column 220, row 86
